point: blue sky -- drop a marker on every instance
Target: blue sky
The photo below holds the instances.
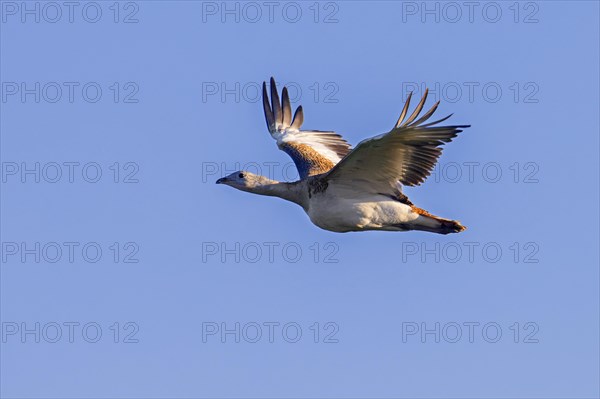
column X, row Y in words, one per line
column 140, row 277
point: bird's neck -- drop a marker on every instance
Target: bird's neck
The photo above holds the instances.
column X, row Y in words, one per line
column 288, row 191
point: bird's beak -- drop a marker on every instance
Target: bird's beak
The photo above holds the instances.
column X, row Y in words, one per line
column 221, row 180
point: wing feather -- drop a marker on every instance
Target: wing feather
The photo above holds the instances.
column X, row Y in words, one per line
column 407, row 154
column 287, row 107
column 270, row 118
column 404, row 110
column 427, row 115
column 417, row 110
column 313, row 151
column 275, row 104
column 298, row 118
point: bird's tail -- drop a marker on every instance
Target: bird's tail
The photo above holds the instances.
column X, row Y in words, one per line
column 435, row 224
column 451, row 226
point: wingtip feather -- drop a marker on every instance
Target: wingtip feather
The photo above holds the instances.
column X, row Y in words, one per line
column 275, row 103
column 267, row 108
column 287, row 107
column 404, row 110
column 298, row 118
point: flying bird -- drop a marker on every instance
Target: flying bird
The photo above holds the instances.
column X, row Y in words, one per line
column 344, row 189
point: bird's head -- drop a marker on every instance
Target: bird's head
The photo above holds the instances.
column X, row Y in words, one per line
column 243, row 180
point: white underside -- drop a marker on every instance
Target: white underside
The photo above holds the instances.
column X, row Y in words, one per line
column 336, row 211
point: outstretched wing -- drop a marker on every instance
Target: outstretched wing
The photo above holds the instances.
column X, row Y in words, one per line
column 406, row 154
column 314, row 152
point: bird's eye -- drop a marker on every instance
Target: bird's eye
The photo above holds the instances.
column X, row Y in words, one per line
column 241, row 175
